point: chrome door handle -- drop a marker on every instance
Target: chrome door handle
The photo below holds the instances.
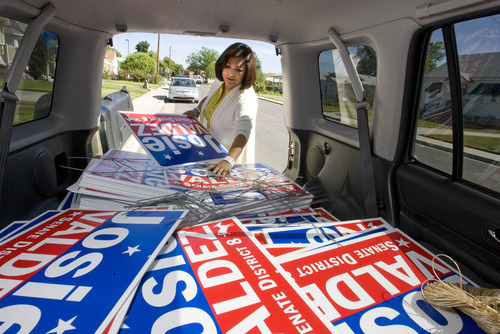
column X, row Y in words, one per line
column 494, row 234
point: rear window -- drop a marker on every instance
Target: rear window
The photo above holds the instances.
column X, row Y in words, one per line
column 183, row 82
column 36, row 86
column 337, row 96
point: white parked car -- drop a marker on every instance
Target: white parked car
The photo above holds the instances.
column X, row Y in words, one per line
column 183, row 89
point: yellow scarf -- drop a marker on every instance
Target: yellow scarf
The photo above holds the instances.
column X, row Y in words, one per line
column 213, row 103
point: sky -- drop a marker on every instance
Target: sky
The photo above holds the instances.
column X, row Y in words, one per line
column 182, row 46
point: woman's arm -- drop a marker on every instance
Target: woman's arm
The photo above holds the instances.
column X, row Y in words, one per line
column 195, row 112
column 223, row 167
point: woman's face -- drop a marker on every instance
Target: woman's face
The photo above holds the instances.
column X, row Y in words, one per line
column 234, row 72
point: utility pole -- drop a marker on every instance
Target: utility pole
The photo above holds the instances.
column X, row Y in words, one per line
column 169, row 63
column 158, row 57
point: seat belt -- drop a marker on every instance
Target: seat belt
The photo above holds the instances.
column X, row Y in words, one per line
column 365, row 149
column 8, row 108
column 8, row 99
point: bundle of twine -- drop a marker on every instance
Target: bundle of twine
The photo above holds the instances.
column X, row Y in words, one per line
column 481, row 304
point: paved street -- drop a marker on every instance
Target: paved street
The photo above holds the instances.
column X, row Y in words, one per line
column 271, row 134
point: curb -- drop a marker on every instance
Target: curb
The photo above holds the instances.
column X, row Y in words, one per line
column 269, row 100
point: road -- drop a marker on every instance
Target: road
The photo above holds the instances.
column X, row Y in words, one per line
column 271, row 133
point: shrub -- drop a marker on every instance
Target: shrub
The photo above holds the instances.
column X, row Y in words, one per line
column 122, row 74
column 138, row 75
column 105, row 74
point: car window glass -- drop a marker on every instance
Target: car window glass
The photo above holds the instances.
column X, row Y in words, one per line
column 434, row 126
column 469, row 129
column 478, row 48
column 36, row 85
column 337, row 96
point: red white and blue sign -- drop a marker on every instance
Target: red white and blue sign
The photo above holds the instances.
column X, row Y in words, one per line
column 72, row 272
column 197, row 176
column 372, row 285
column 173, row 139
column 216, row 278
column 317, row 233
column 295, row 238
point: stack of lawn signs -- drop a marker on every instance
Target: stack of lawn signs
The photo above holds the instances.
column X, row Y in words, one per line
column 173, row 173
column 72, row 270
column 122, row 179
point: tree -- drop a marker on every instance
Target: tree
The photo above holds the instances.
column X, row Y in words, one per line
column 203, row 62
column 37, row 65
column 142, row 46
column 139, row 61
column 435, row 53
column 177, row 69
column 260, row 83
column 152, row 54
column 367, row 64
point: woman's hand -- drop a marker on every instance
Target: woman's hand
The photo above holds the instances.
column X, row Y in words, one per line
column 197, row 110
column 193, row 112
column 222, row 168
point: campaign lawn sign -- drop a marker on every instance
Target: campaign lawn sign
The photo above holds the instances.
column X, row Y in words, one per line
column 273, row 217
column 371, row 284
column 323, row 215
column 303, row 236
column 11, row 229
column 74, row 270
column 199, row 177
column 173, row 139
column 287, row 220
column 216, row 278
column 316, row 233
column 17, row 227
column 70, row 201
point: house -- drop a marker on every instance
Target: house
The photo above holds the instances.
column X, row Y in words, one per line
column 274, row 81
column 480, row 91
column 111, row 63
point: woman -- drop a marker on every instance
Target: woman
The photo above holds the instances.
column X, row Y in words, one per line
column 229, row 110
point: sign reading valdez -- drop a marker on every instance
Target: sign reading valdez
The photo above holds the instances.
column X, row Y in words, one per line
column 372, row 284
column 75, row 269
column 229, row 285
column 174, row 139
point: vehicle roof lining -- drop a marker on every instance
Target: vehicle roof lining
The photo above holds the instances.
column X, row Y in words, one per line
column 276, row 21
column 258, row 19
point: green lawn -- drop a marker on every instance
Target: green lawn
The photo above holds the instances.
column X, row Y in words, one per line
column 487, row 144
column 135, row 88
column 480, row 142
column 108, row 86
column 25, row 112
column 36, row 85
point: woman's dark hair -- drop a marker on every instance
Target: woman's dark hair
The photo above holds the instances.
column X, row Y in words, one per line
column 238, row 50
